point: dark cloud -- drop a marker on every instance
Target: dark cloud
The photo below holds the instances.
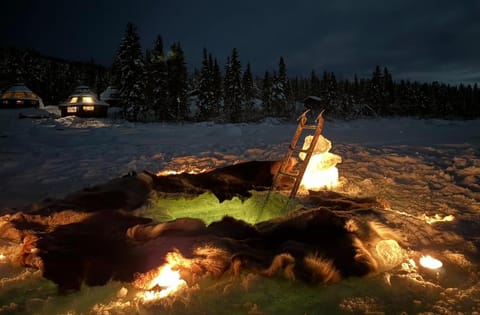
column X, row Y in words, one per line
column 417, row 40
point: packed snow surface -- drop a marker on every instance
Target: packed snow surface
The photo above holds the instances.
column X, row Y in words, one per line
column 426, row 171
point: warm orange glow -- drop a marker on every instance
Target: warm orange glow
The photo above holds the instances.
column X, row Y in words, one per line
column 163, row 281
column 73, row 100
column 321, row 172
column 88, row 108
column 72, row 109
column 430, row 262
column 172, row 172
column 168, row 280
column 87, row 99
column 3, row 257
column 437, row 218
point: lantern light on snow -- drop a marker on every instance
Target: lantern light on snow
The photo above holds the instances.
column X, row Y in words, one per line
column 430, row 262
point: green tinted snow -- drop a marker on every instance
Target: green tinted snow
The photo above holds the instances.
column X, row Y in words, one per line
column 259, row 207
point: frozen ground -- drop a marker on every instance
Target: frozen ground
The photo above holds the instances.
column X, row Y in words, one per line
column 427, row 171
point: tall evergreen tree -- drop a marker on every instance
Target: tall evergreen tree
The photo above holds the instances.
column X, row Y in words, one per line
column 328, row 93
column 267, row 94
column 206, row 97
column 248, row 93
column 217, row 88
column 233, row 88
column 157, row 80
column 281, row 91
column 315, row 89
column 388, row 91
column 177, row 84
column 130, row 73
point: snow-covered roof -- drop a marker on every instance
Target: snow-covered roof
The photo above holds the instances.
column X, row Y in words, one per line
column 19, row 91
column 82, row 88
column 83, row 96
column 110, row 93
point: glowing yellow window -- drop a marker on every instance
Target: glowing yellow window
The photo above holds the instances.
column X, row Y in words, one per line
column 72, row 109
column 73, row 100
column 87, row 99
column 19, row 102
column 88, row 108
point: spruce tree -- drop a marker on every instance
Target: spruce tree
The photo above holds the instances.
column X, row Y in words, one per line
column 248, row 93
column 206, row 97
column 281, row 91
column 388, row 91
column 328, row 93
column 177, row 84
column 315, row 89
column 375, row 91
column 129, row 67
column 267, row 94
column 157, row 84
column 217, row 88
column 233, row 88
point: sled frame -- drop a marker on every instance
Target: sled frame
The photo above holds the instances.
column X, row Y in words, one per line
column 297, row 176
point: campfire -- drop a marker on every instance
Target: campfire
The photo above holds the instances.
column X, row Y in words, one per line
column 162, row 281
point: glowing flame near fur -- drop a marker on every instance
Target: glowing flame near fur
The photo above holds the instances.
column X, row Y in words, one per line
column 321, row 171
column 437, row 218
column 188, row 171
column 430, row 262
column 164, row 277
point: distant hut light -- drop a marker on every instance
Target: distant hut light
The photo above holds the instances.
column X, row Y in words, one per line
column 84, row 103
column 87, row 99
column 20, row 96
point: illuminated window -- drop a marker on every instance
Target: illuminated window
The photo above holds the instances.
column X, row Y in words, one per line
column 72, row 109
column 89, row 108
column 73, row 100
column 87, row 99
column 19, row 102
column 31, row 95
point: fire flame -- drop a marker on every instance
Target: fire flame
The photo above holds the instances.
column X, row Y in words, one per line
column 321, row 171
column 437, row 218
column 430, row 262
column 163, row 281
column 182, row 171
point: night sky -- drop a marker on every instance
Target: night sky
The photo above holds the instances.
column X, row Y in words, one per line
column 424, row 40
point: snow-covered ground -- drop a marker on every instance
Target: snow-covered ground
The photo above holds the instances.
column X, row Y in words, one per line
column 424, row 170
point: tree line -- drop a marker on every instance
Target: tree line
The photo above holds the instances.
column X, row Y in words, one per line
column 157, row 86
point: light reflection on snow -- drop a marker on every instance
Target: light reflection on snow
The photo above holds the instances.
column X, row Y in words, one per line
column 414, row 171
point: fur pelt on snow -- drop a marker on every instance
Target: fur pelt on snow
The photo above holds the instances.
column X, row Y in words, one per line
column 92, row 236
